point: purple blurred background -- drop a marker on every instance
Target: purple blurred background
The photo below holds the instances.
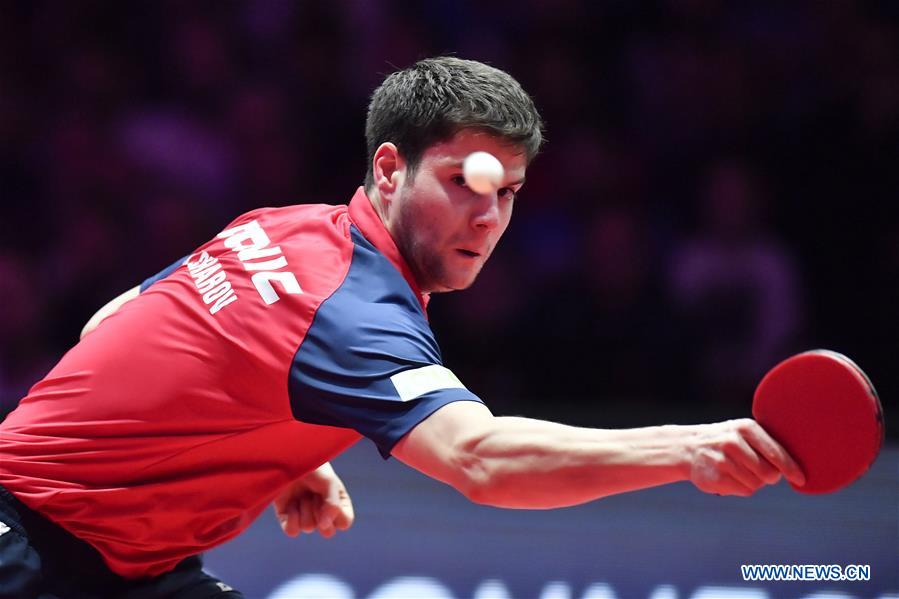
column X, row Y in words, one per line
column 714, row 194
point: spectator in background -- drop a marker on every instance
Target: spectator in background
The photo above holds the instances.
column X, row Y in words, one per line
column 735, row 286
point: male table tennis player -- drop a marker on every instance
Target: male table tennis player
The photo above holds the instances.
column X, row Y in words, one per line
column 227, row 381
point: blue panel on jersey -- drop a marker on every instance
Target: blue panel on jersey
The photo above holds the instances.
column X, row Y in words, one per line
column 163, row 273
column 370, row 329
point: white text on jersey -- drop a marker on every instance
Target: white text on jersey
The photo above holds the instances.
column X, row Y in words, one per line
column 252, row 243
column 211, row 281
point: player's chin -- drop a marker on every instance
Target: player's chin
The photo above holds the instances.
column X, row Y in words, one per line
column 470, row 275
column 457, row 281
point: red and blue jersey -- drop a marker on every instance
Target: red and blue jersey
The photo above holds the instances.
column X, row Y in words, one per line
column 265, row 353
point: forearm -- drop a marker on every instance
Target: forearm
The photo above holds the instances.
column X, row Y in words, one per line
column 525, row 463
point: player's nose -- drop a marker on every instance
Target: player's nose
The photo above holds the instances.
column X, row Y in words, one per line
column 485, row 215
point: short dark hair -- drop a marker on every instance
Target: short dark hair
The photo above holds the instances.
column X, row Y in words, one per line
column 435, row 98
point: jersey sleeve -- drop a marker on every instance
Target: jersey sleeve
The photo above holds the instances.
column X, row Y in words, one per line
column 163, row 273
column 369, row 360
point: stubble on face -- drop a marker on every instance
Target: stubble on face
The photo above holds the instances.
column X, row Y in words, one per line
column 414, row 242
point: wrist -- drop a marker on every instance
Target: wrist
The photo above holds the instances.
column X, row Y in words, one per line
column 682, row 443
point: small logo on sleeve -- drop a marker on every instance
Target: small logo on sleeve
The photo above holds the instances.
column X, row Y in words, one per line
column 412, row 384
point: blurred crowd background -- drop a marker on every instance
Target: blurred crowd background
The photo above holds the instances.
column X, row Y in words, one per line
column 716, row 191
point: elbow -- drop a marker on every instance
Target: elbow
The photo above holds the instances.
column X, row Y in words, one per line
column 474, row 475
column 476, row 487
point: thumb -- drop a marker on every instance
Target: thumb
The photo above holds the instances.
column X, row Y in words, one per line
column 335, row 515
column 344, row 514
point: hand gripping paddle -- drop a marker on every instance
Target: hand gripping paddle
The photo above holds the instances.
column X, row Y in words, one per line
column 825, row 412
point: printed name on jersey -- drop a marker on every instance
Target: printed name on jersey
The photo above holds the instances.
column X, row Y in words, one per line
column 251, row 243
column 211, row 281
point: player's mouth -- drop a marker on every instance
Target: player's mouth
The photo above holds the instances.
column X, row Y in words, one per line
column 468, row 253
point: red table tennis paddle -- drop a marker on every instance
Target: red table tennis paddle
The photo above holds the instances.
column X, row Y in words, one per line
column 825, row 412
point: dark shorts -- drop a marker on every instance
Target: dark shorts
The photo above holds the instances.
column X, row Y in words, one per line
column 39, row 559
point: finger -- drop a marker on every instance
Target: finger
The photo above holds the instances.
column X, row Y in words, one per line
column 730, row 485
column 288, row 518
column 746, row 477
column 766, row 471
column 326, row 514
column 280, row 503
column 291, row 525
column 281, row 515
column 774, row 453
column 334, row 516
column 755, row 470
column 326, row 527
column 307, row 517
column 322, row 520
column 345, row 515
column 343, row 521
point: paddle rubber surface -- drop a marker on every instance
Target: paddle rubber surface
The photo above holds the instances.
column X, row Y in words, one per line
column 825, row 412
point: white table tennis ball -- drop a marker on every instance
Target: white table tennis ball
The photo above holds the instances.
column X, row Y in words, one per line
column 483, row 172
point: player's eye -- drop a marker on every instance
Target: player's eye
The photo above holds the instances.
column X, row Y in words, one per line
column 507, row 193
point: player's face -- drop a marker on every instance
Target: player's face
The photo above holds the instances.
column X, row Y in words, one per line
column 445, row 230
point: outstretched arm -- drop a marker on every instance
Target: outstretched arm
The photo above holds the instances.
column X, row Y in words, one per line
column 525, row 463
column 108, row 309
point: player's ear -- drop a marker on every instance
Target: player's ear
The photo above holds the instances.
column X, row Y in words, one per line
column 388, row 168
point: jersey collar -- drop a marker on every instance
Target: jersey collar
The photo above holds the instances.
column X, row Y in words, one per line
column 363, row 215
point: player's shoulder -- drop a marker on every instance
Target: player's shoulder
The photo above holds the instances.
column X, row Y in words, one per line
column 308, row 229
column 275, row 215
column 373, row 305
column 374, row 283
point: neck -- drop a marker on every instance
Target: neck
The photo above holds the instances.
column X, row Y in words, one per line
column 377, row 203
